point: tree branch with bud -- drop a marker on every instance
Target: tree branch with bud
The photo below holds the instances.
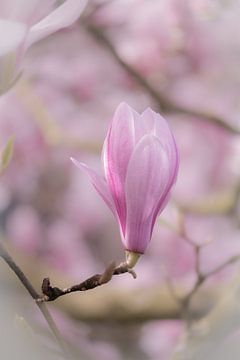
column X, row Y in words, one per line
column 52, row 293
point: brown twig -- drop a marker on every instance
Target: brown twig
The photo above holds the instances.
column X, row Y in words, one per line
column 28, row 286
column 164, row 103
column 52, row 293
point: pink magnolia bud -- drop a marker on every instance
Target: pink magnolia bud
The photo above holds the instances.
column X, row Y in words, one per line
column 140, row 160
column 22, row 23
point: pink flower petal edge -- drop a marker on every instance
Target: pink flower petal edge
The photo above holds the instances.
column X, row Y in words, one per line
column 98, row 182
column 64, row 16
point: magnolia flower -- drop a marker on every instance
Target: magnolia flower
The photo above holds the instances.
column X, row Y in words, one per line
column 22, row 23
column 140, row 161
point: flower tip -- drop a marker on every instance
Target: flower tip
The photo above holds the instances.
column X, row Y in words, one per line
column 79, row 164
column 124, row 107
column 76, row 162
column 123, row 104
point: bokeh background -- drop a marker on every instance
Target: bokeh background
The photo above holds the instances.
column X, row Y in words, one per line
column 181, row 58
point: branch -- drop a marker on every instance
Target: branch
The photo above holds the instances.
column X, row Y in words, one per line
column 185, row 301
column 230, row 261
column 28, row 286
column 209, row 338
column 164, row 103
column 52, row 293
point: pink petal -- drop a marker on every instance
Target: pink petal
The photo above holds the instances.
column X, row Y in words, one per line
column 154, row 123
column 117, row 151
column 158, row 126
column 64, row 16
column 146, row 183
column 99, row 183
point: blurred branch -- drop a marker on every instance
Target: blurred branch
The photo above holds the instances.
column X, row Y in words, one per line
column 185, row 300
column 164, row 103
column 201, row 278
column 206, row 338
column 28, row 286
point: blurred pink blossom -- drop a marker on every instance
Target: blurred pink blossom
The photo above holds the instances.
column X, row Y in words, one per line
column 25, row 22
column 24, row 229
column 140, row 160
column 158, row 338
column 65, row 248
